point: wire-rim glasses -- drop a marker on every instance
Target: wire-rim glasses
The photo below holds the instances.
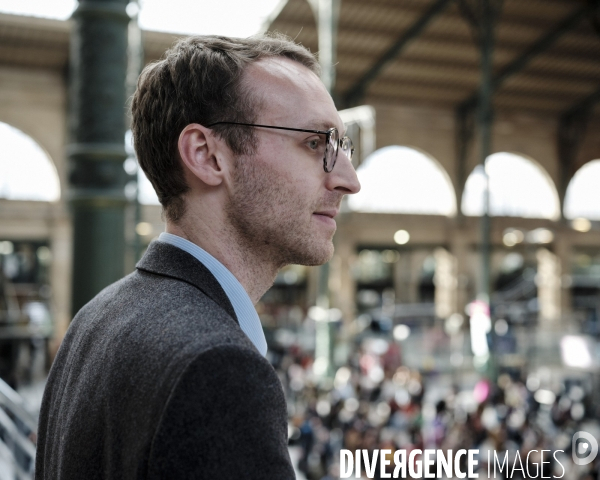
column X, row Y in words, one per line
column 333, row 142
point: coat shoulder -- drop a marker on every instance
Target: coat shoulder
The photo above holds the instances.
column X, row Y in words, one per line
column 119, row 362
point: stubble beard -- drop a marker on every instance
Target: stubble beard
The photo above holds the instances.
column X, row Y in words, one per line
column 273, row 222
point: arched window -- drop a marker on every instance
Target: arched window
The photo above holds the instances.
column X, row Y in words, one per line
column 145, row 190
column 26, row 171
column 582, row 198
column 519, row 187
column 403, row 180
column 147, row 194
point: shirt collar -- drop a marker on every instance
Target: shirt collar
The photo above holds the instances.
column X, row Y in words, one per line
column 242, row 305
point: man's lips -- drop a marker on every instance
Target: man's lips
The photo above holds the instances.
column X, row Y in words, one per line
column 327, row 213
column 326, row 217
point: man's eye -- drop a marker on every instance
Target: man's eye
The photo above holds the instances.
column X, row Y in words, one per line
column 314, row 144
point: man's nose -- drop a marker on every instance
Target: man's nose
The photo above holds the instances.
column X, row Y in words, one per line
column 343, row 177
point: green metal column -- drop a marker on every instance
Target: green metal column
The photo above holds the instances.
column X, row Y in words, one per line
column 485, row 130
column 328, row 17
column 96, row 152
column 490, row 10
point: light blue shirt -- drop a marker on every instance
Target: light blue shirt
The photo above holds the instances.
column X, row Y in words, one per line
column 242, row 305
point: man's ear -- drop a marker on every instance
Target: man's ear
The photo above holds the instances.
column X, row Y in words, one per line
column 198, row 149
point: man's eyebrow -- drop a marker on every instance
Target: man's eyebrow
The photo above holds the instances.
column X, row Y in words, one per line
column 323, row 125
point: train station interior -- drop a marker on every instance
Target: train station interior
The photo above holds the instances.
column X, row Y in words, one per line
column 465, row 282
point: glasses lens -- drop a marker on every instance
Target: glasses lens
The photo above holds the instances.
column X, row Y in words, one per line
column 347, row 147
column 333, row 141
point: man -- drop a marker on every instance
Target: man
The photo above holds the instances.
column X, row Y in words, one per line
column 163, row 374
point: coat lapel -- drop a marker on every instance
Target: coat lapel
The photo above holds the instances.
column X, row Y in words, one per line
column 164, row 259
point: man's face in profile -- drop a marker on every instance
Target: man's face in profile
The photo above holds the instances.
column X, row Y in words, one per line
column 282, row 202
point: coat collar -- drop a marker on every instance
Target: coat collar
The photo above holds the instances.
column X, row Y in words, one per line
column 169, row 261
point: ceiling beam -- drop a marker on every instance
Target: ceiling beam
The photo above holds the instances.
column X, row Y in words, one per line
column 536, row 49
column 587, row 103
column 356, row 92
column 571, row 132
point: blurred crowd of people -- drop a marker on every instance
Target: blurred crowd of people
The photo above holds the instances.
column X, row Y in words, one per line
column 374, row 402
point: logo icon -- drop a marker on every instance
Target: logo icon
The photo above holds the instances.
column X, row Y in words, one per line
column 585, row 450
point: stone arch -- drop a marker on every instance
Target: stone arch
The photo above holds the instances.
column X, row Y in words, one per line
column 519, row 187
column 582, row 197
column 404, row 179
column 36, row 177
column 35, row 102
column 145, row 191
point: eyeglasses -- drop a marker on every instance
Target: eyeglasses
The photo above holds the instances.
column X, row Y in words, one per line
column 332, row 142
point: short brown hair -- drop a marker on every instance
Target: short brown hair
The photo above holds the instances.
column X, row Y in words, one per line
column 198, row 81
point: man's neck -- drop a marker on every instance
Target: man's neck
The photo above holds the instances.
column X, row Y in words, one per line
column 255, row 274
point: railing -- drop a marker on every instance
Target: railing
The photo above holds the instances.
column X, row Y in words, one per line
column 18, row 433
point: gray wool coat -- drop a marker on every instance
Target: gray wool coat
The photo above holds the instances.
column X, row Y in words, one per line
column 156, row 380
